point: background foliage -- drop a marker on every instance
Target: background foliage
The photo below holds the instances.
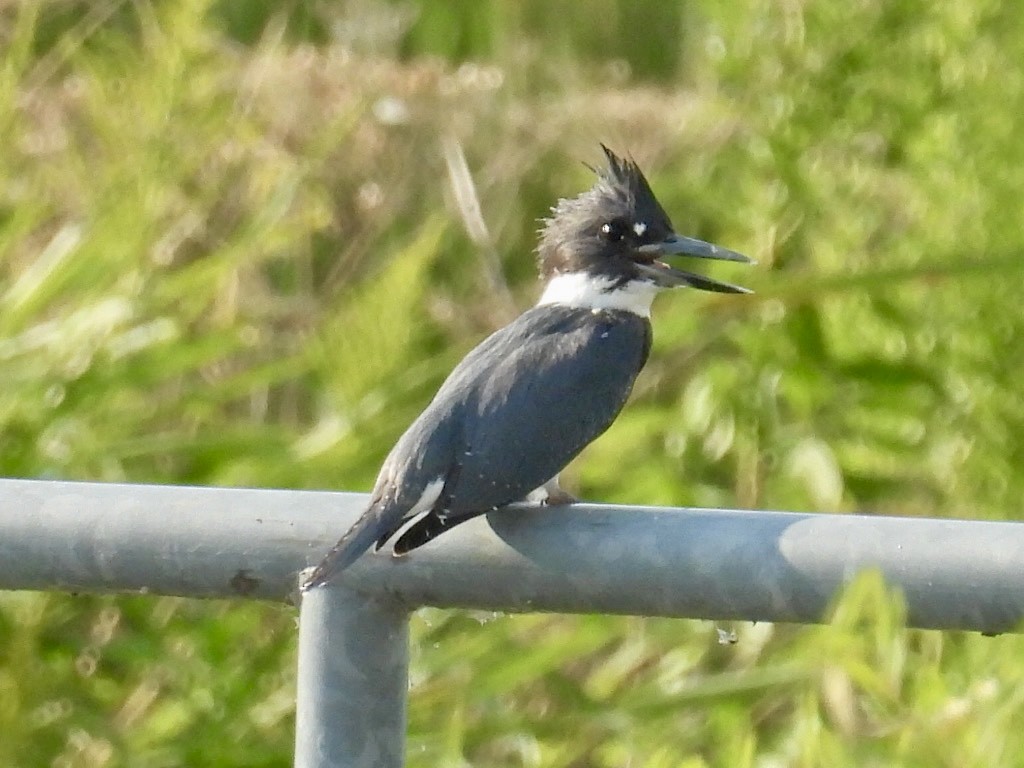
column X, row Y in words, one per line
column 200, row 202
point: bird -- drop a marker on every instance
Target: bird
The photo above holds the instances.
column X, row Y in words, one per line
column 524, row 402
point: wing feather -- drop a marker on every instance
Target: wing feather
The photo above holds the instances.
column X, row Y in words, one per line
column 556, row 385
column 509, row 417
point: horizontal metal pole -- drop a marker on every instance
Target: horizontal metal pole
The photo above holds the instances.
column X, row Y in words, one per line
column 716, row 564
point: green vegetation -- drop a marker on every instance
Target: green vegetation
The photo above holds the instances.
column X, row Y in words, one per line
column 199, row 201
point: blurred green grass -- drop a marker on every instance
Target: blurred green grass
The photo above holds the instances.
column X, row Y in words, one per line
column 200, row 202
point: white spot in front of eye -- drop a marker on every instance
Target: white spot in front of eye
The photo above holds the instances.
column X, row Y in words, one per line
column 640, row 227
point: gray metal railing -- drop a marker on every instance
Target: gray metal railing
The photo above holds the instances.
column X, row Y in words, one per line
column 353, row 654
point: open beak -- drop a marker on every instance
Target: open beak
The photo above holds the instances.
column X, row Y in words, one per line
column 678, row 245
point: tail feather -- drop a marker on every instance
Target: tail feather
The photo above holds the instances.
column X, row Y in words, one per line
column 363, row 533
column 429, row 527
column 388, row 511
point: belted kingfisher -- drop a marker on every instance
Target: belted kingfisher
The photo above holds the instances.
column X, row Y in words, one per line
column 532, row 395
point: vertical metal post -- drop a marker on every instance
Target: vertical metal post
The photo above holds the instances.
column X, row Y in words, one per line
column 353, row 679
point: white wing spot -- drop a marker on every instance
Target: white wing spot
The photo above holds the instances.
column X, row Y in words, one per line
column 427, row 499
column 640, row 227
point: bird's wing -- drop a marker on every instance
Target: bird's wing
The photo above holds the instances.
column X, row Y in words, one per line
column 552, row 389
column 549, row 394
column 509, row 417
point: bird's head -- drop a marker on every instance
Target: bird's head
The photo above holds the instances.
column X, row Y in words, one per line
column 614, row 235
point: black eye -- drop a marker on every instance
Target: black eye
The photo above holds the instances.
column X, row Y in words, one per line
column 613, row 231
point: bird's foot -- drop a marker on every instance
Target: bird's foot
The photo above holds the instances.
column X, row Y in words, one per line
column 551, row 494
column 558, row 497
